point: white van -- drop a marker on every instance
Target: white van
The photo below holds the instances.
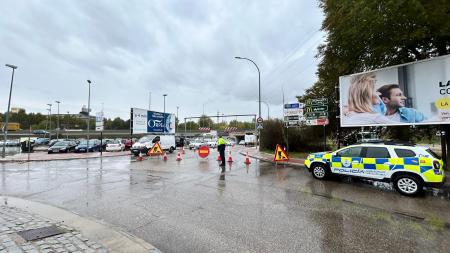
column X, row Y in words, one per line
column 167, row 142
column 250, row 139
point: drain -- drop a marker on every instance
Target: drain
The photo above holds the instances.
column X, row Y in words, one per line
column 39, row 233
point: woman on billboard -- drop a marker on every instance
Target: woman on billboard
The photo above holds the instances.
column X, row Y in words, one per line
column 364, row 104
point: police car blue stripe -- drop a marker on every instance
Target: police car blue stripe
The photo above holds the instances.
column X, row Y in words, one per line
column 411, row 161
column 396, row 167
column 358, row 159
column 425, row 168
column 381, row 160
column 370, row 166
column 336, row 159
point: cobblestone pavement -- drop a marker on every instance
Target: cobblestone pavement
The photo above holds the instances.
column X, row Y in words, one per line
column 13, row 220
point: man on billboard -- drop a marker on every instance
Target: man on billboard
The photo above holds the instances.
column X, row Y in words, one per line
column 394, row 101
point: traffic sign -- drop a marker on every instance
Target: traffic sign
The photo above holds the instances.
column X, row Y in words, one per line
column 280, row 154
column 316, row 115
column 317, row 122
column 310, row 109
column 259, row 120
column 317, row 102
column 155, row 150
column 259, row 126
column 203, row 151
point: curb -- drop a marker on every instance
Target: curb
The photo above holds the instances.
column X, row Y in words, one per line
column 59, row 159
column 111, row 238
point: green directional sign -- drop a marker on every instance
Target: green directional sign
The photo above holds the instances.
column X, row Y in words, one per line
column 316, row 115
column 310, row 109
column 317, row 102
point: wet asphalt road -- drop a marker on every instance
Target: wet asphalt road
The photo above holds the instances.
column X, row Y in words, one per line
column 184, row 207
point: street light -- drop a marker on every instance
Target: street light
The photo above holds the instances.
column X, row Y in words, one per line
column 5, row 126
column 259, row 90
column 164, row 115
column 268, row 109
column 50, row 121
column 89, row 110
column 57, row 121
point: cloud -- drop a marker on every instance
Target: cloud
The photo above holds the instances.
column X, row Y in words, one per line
column 183, row 48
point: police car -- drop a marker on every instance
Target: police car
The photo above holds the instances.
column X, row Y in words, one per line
column 407, row 166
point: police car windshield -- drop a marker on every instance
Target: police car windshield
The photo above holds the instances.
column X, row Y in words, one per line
column 431, row 152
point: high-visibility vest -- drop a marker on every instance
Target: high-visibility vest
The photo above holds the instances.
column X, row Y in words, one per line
column 221, row 141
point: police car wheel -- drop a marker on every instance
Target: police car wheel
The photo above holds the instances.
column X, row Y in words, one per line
column 319, row 171
column 408, row 185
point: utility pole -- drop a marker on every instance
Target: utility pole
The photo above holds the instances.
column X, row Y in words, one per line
column 57, row 120
column 5, row 126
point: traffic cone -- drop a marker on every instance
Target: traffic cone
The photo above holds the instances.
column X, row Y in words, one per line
column 219, row 158
column 247, row 159
column 165, row 157
column 182, row 150
column 230, row 158
column 178, row 156
column 140, row 158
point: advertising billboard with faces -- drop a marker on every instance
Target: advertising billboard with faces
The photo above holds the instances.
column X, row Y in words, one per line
column 416, row 93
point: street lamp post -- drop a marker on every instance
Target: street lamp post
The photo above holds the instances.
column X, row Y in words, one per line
column 57, row 121
column 259, row 92
column 268, row 109
column 164, row 115
column 5, row 126
column 176, row 120
column 50, row 121
column 89, row 110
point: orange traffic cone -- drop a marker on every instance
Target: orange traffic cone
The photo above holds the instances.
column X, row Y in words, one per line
column 247, row 159
column 178, row 156
column 140, row 158
column 219, row 158
column 182, row 150
column 230, row 159
column 165, row 157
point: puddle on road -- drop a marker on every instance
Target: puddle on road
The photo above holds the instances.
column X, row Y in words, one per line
column 443, row 193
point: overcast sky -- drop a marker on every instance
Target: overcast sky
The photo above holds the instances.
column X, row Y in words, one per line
column 185, row 49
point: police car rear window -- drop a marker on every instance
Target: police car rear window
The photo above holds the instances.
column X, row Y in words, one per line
column 404, row 152
column 431, row 152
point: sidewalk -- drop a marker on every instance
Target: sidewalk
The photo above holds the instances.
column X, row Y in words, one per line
column 43, row 156
column 253, row 153
column 79, row 234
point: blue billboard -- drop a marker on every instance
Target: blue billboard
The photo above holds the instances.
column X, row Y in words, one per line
column 158, row 122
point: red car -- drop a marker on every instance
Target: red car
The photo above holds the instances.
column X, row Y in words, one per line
column 127, row 143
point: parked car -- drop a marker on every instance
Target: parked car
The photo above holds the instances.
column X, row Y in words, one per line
column 40, row 132
column 62, row 147
column 105, row 142
column 407, row 166
column 42, row 141
column 94, row 145
column 242, row 142
column 52, row 142
column 127, row 144
column 144, row 144
column 211, row 143
column 230, row 142
column 114, row 145
column 195, row 144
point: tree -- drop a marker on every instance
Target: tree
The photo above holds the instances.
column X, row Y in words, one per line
column 205, row 121
column 369, row 34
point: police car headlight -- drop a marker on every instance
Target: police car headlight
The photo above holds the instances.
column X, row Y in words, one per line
column 436, row 165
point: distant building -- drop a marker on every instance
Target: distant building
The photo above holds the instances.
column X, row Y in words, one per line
column 16, row 109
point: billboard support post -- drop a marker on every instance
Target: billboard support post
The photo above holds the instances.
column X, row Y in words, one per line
column 324, row 139
column 443, row 146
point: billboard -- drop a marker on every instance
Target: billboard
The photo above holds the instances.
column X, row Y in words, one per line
column 99, row 121
column 144, row 121
column 417, row 93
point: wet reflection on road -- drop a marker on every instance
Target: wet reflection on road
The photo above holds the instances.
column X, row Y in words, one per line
column 194, row 205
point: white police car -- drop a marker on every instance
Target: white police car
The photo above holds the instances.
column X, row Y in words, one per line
column 407, row 166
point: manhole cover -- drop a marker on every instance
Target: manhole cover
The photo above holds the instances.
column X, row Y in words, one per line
column 39, row 233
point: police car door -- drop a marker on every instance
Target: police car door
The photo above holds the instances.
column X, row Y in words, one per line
column 376, row 161
column 347, row 161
